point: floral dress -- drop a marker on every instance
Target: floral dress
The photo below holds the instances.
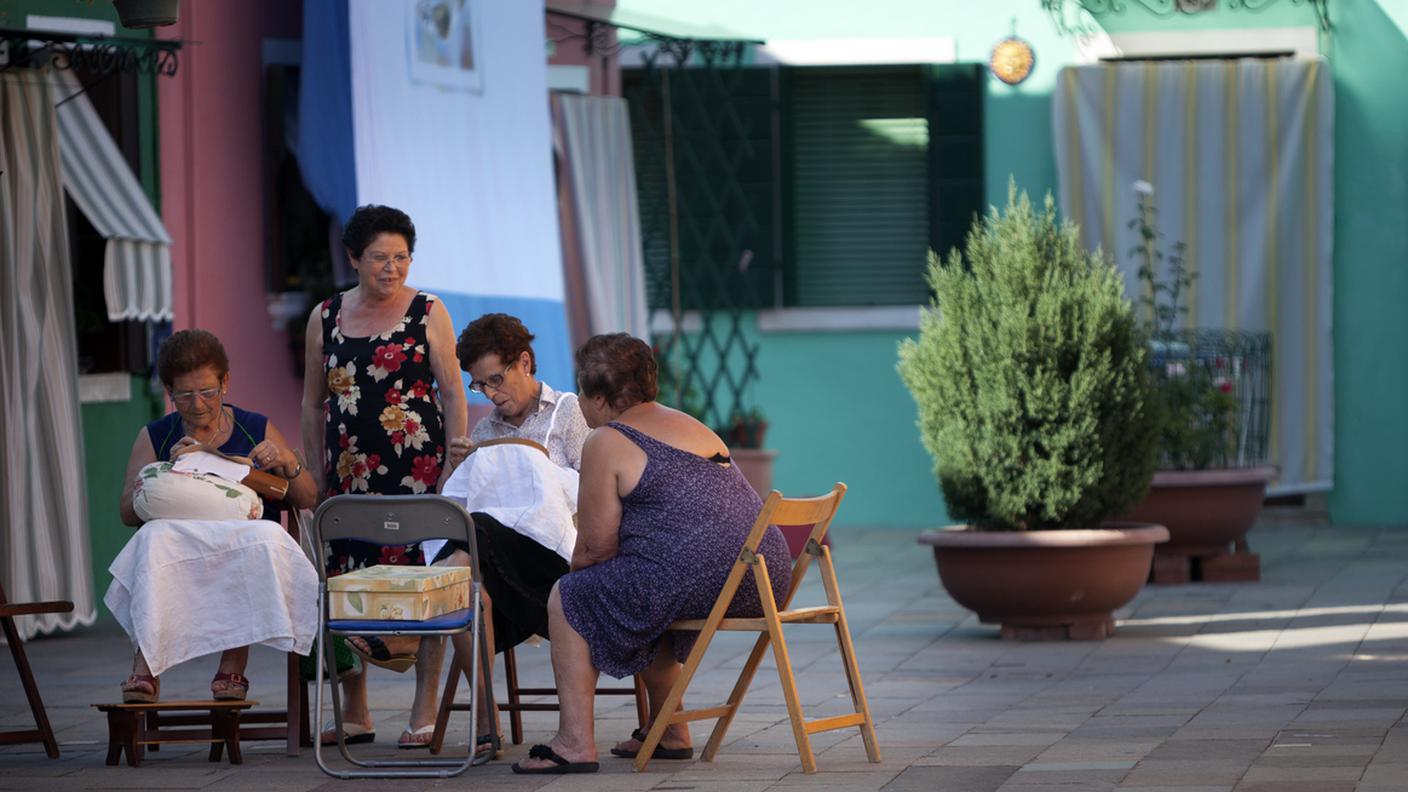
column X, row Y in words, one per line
column 384, row 433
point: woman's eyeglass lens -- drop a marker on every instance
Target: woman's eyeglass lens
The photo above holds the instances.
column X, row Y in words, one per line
column 399, row 260
column 189, row 397
column 495, row 381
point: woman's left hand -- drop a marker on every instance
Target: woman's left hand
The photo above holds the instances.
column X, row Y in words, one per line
column 271, row 456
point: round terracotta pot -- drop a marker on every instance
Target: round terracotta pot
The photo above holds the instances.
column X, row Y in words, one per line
column 756, row 466
column 1046, row 585
column 1204, row 508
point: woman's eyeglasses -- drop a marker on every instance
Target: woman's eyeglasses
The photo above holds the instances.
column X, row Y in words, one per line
column 189, row 397
column 495, row 381
column 380, row 260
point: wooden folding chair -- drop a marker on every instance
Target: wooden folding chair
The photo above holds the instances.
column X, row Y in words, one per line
column 42, row 731
column 777, row 510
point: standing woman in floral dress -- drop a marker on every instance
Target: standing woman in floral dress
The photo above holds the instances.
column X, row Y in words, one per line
column 381, row 392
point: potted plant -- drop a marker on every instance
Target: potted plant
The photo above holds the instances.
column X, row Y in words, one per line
column 1212, row 388
column 1032, row 383
column 744, row 433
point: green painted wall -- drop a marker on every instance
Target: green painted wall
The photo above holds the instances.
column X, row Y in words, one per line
column 1366, row 49
column 108, row 430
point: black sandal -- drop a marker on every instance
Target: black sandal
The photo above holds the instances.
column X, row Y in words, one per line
column 379, row 655
column 661, row 752
column 560, row 766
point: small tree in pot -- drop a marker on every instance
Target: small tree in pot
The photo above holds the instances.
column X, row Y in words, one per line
column 1032, row 383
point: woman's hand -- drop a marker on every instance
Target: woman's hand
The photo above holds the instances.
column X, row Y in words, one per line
column 184, row 446
column 459, row 450
column 275, row 458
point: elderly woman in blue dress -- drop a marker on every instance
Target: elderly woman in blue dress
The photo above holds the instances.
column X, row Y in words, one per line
column 662, row 514
column 195, row 370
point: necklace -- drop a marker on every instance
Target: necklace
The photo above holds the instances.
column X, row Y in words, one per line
column 220, row 426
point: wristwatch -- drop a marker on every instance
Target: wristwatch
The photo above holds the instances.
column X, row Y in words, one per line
column 297, row 471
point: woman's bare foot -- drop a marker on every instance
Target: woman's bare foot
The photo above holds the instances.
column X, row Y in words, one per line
column 573, row 754
column 675, row 737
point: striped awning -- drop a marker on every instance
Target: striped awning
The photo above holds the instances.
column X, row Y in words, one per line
column 137, row 262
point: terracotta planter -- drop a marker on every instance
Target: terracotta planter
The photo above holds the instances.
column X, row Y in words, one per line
column 756, row 465
column 1204, row 508
column 1046, row 585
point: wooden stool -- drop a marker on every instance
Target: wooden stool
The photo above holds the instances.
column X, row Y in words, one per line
column 129, row 731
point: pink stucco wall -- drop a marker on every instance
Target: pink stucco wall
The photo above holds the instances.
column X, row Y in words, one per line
column 212, row 193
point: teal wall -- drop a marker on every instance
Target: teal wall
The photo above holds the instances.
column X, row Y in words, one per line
column 835, row 401
column 108, row 431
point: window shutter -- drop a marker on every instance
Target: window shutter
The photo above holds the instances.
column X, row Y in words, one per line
column 858, row 185
column 954, row 94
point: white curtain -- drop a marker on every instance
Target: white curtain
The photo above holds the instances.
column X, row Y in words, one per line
column 595, row 134
column 1240, row 154
column 44, row 551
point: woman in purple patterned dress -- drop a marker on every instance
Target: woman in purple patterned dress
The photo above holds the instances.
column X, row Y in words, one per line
column 662, row 513
column 381, row 391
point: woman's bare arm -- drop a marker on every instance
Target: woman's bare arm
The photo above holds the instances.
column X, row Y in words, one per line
column 315, row 392
column 599, row 499
column 142, row 455
column 445, row 365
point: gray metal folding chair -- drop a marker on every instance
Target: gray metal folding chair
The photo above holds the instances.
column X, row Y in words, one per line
column 397, row 520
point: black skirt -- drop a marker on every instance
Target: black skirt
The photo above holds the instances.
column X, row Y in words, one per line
column 518, row 574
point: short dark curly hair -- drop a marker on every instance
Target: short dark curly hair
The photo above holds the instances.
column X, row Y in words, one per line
column 190, row 350
column 619, row 367
column 373, row 219
column 497, row 334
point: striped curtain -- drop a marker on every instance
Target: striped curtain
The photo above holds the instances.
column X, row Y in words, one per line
column 44, row 537
column 1240, row 154
column 595, row 141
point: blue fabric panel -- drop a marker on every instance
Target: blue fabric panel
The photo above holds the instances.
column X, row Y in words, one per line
column 545, row 319
column 449, row 621
column 325, row 147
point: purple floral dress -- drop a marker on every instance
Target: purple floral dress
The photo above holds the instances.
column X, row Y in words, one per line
column 383, row 433
column 681, row 530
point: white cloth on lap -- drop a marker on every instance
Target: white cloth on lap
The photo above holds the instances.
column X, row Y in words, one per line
column 186, row 588
column 524, row 490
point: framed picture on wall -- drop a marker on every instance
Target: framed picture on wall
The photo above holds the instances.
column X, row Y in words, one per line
column 444, row 43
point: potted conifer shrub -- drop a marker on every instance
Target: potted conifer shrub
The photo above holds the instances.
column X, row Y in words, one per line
column 1032, row 384
column 1212, row 388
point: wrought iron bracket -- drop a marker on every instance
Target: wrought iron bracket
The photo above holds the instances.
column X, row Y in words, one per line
column 23, row 48
column 1074, row 18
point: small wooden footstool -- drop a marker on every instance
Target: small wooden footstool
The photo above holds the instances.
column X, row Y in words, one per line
column 132, row 727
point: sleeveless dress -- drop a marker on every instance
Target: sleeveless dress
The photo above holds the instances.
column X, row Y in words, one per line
column 681, row 530
column 384, row 433
column 247, row 433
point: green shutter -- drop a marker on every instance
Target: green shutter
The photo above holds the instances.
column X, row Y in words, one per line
column 858, row 184
column 954, row 93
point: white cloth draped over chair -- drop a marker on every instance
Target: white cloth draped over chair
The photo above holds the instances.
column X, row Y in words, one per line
column 44, row 550
column 522, row 489
column 1241, row 156
column 186, row 588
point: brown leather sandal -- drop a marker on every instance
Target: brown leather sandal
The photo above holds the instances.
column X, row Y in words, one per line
column 234, row 687
column 141, row 689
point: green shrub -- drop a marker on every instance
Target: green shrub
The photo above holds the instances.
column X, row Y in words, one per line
column 1031, row 378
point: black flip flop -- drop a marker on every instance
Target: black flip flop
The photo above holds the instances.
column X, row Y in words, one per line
column 661, row 752
column 380, row 655
column 560, row 767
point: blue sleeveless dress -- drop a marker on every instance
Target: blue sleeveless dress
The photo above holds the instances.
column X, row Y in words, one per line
column 681, row 530
column 247, row 433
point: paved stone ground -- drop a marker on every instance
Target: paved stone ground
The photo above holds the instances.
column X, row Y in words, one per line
column 1299, row 682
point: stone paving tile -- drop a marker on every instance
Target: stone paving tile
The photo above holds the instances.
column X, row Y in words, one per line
column 1294, row 683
